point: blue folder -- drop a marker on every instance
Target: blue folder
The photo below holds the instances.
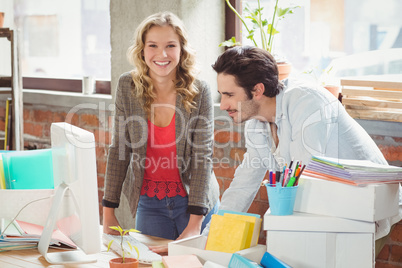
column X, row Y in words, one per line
column 238, row 261
column 268, row 260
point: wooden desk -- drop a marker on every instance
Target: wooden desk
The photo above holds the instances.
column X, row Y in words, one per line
column 32, row 258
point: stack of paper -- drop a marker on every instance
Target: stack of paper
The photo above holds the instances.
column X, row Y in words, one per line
column 12, row 237
column 354, row 172
column 233, row 231
column 23, row 235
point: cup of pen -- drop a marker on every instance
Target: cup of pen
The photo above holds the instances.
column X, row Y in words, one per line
column 281, row 199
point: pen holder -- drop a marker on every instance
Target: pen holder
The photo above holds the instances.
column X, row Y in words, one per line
column 281, row 199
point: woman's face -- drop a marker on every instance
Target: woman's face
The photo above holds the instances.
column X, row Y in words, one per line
column 162, row 52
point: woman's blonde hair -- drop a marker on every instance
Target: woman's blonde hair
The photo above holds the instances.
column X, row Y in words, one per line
column 185, row 74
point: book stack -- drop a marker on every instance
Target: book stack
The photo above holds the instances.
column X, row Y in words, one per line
column 233, row 231
column 353, row 172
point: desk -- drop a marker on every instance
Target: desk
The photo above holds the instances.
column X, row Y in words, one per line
column 32, row 258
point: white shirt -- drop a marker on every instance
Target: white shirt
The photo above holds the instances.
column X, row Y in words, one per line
column 310, row 121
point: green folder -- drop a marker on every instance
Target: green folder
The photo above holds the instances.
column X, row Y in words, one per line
column 32, row 169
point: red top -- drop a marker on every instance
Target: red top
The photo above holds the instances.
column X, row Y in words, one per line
column 161, row 175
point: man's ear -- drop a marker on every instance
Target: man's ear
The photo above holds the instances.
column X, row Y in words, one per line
column 258, row 90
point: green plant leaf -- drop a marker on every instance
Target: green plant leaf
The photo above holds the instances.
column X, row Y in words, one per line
column 281, row 12
column 129, row 244
column 250, row 36
column 230, row 43
column 270, row 28
column 117, row 228
column 109, row 245
column 258, row 22
column 133, row 230
column 136, row 249
column 138, row 252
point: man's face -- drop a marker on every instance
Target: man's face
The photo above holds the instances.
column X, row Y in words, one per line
column 234, row 99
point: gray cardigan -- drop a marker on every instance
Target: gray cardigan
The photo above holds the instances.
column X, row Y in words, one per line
column 194, row 142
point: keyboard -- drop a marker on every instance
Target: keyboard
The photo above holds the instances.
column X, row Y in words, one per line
column 146, row 255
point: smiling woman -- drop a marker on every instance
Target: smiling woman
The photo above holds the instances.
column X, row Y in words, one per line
column 164, row 113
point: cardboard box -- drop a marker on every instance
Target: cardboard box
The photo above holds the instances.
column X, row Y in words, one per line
column 367, row 203
column 196, row 244
column 308, row 240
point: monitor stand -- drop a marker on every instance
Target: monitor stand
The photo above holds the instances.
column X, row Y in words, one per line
column 76, row 256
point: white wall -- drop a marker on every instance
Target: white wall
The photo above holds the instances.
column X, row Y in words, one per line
column 6, row 6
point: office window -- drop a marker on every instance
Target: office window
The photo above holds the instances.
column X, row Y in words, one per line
column 63, row 41
column 320, row 32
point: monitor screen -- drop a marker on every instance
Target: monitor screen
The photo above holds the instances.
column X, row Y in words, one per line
column 75, row 209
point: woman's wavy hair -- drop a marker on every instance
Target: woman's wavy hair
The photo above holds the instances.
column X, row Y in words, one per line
column 186, row 70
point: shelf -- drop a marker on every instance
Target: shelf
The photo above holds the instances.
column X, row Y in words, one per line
column 373, row 97
column 6, row 91
column 12, row 85
column 5, row 81
column 5, row 32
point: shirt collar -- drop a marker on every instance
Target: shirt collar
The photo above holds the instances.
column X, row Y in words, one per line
column 279, row 114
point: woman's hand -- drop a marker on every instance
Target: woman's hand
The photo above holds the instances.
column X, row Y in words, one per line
column 109, row 219
column 162, row 250
column 193, row 228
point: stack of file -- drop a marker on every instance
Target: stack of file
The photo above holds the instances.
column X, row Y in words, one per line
column 23, row 235
column 354, row 172
column 12, row 238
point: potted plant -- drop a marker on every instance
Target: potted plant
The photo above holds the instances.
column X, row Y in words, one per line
column 123, row 262
column 325, row 80
column 266, row 30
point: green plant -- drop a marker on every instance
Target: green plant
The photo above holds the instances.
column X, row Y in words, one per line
column 259, row 24
column 321, row 77
column 123, row 232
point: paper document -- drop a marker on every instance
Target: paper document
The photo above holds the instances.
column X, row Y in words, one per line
column 355, row 172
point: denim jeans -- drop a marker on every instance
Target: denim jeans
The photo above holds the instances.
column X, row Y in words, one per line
column 165, row 218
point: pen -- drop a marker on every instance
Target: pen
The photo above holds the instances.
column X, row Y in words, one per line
column 270, row 177
column 277, row 176
column 297, row 166
column 280, row 179
column 298, row 176
column 285, row 177
column 291, row 182
column 291, row 163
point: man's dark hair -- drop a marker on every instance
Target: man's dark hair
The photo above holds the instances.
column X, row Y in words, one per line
column 250, row 66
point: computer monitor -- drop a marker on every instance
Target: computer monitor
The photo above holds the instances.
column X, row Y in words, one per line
column 75, row 209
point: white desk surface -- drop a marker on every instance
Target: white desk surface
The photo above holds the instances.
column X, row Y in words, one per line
column 32, row 257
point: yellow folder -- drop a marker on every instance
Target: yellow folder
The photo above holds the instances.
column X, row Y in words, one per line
column 2, row 178
column 254, row 230
column 227, row 234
